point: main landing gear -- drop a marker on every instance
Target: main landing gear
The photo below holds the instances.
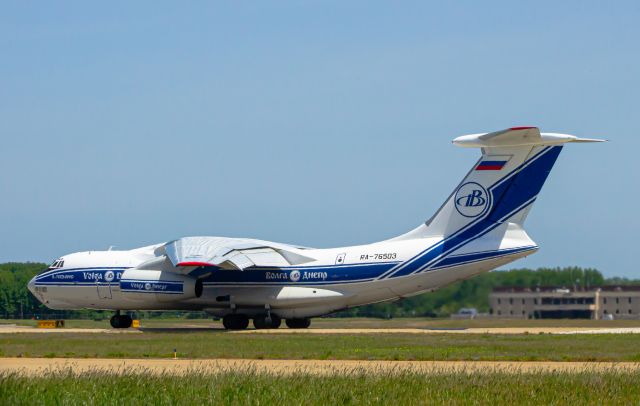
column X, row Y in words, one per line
column 235, row 321
column 263, row 322
column 121, row 320
column 298, row 323
column 240, row 322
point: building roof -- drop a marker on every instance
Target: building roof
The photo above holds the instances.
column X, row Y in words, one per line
column 564, row 289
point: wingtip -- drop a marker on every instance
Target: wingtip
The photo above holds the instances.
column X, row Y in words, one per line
column 589, row 140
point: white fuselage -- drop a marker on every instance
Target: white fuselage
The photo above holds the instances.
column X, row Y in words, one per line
column 340, row 278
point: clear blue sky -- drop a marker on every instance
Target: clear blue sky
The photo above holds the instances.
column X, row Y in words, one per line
column 316, row 123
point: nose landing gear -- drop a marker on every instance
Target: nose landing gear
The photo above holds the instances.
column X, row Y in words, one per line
column 121, row 320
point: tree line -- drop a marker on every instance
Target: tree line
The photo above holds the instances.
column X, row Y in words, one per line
column 17, row 302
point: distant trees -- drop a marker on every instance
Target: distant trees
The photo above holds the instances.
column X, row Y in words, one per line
column 16, row 301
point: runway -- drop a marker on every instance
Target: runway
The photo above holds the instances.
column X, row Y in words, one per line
column 12, row 329
column 79, row 366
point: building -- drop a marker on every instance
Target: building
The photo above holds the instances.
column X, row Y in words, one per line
column 552, row 302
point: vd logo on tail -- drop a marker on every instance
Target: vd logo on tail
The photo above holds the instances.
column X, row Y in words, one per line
column 472, row 200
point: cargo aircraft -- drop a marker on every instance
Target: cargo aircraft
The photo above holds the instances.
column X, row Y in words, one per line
column 478, row 227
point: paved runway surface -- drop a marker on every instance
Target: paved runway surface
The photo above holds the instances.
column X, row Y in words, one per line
column 11, row 329
column 45, row 366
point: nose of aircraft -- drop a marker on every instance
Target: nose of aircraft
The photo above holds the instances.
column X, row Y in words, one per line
column 32, row 285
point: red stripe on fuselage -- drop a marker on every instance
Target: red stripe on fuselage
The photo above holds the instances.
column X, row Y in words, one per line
column 489, row 167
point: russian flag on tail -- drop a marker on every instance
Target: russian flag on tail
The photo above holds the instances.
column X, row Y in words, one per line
column 493, row 163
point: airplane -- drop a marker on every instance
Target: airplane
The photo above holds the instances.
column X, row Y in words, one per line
column 479, row 227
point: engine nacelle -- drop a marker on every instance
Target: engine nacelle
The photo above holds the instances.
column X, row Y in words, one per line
column 144, row 284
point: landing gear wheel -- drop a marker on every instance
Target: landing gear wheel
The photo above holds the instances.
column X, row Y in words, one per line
column 235, row 321
column 262, row 322
column 298, row 323
column 121, row 321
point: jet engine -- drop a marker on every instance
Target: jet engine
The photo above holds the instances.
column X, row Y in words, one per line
column 145, row 285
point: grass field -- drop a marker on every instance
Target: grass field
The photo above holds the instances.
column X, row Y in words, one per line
column 259, row 388
column 219, row 344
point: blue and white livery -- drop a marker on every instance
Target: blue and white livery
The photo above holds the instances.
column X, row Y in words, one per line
column 479, row 227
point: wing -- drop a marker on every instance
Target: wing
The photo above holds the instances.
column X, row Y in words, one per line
column 230, row 253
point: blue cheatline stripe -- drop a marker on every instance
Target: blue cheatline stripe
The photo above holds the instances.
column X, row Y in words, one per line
column 305, row 267
column 69, row 283
column 307, row 275
column 93, row 268
column 163, row 292
column 533, row 172
column 476, row 256
column 168, row 287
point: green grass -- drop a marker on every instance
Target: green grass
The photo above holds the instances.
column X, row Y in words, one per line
column 219, row 344
column 260, row 388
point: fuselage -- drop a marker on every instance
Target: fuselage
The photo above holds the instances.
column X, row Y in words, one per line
column 340, row 278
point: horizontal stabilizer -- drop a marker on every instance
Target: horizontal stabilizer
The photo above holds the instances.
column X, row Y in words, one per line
column 515, row 137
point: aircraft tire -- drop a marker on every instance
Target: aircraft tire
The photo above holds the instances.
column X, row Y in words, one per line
column 261, row 322
column 235, row 321
column 298, row 323
column 121, row 321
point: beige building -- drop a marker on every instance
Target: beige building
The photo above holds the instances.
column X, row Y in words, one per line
column 616, row 302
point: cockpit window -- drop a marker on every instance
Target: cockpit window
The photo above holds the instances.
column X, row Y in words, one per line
column 59, row 263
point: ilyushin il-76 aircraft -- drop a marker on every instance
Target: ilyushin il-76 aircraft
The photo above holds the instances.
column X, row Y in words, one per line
column 479, row 227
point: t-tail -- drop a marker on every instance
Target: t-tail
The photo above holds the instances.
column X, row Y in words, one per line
column 486, row 211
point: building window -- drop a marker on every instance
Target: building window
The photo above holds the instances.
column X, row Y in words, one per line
column 522, row 301
column 511, row 312
column 629, row 311
column 629, row 300
column 498, row 301
column 491, row 311
column 617, row 311
column 511, row 301
column 523, row 312
column 617, row 300
column 499, row 312
column 535, row 301
column 604, row 300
